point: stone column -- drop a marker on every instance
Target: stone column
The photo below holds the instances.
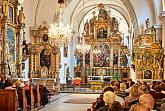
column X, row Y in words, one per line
column 162, row 20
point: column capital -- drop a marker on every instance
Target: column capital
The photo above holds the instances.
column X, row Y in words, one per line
column 162, row 17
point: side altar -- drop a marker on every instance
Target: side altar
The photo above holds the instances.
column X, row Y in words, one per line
column 148, row 55
column 44, row 59
column 107, row 56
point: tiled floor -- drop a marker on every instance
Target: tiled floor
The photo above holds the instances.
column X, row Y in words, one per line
column 58, row 105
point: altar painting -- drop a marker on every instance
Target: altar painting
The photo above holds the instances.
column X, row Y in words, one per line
column 10, row 45
column 101, row 55
column 45, row 58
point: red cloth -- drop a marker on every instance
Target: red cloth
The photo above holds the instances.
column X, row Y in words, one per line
column 77, row 82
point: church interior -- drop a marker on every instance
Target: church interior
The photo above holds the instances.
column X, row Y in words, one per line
column 71, row 55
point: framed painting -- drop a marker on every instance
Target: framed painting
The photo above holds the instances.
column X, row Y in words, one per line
column 10, row 44
column 101, row 55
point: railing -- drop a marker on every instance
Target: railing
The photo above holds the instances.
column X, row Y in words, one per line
column 83, row 87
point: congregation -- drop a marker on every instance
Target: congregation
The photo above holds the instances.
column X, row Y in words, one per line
column 131, row 96
column 27, row 93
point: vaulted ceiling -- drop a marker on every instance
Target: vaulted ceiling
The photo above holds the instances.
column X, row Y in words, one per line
column 134, row 12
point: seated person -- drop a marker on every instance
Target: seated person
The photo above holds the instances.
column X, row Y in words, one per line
column 147, row 100
column 109, row 98
column 27, row 87
column 116, row 106
column 100, row 102
column 2, row 84
column 138, row 107
column 9, row 84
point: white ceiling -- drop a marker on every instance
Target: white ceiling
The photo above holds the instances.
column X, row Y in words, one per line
column 135, row 12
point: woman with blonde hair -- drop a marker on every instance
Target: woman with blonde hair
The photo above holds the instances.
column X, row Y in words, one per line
column 133, row 96
column 109, row 98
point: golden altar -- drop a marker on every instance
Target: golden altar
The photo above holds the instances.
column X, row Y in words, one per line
column 96, row 85
column 107, row 56
column 147, row 55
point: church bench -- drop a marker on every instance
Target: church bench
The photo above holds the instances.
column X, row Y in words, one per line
column 88, row 109
column 37, row 98
column 93, row 106
column 21, row 99
column 30, row 98
column 8, row 100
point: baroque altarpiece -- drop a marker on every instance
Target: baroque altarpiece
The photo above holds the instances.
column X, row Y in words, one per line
column 148, row 55
column 44, row 58
column 108, row 56
column 11, row 31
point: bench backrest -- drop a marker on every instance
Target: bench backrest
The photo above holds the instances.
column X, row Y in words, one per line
column 8, row 100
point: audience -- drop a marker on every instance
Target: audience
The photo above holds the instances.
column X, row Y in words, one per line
column 118, row 98
column 147, row 100
column 100, row 102
column 109, row 98
column 133, row 96
column 116, row 106
column 138, row 107
column 162, row 108
column 122, row 89
column 2, row 84
column 143, row 89
column 9, row 84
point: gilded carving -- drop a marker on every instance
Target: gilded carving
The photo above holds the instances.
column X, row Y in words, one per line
column 148, row 54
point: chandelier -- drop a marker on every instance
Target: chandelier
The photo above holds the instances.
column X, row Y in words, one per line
column 59, row 33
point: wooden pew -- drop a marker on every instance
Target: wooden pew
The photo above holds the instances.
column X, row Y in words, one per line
column 93, row 106
column 37, row 98
column 31, row 98
column 89, row 109
column 22, row 99
column 8, row 100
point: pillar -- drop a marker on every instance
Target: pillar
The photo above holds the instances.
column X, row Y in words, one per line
column 162, row 21
column 18, row 52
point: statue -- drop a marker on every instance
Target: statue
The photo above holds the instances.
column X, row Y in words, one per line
column 21, row 16
column 103, row 14
column 86, row 28
column 147, row 23
column 115, row 57
column 25, row 47
column 5, row 8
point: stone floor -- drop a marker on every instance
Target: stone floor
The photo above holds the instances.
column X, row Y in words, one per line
column 57, row 102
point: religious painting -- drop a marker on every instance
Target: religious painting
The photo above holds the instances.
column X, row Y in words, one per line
column 65, row 50
column 11, row 13
column 102, row 32
column 10, row 45
column 147, row 74
column 45, row 58
column 101, row 55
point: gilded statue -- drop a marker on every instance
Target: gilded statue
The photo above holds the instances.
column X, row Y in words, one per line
column 5, row 8
column 21, row 16
column 147, row 23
